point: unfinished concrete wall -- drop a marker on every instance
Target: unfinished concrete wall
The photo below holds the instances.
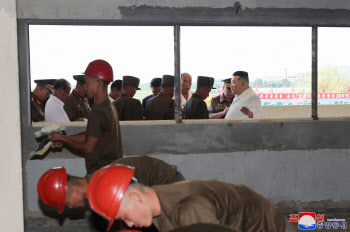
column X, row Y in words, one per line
column 289, row 160
column 195, row 11
column 11, row 214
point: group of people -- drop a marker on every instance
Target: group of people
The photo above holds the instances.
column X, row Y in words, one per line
column 237, row 99
column 143, row 191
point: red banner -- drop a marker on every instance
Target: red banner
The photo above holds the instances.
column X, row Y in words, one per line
column 302, row 95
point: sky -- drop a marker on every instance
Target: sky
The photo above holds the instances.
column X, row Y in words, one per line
column 148, row 51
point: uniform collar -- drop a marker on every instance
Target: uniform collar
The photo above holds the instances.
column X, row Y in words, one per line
column 196, row 96
column 163, row 94
column 125, row 95
column 223, row 98
column 35, row 98
column 76, row 94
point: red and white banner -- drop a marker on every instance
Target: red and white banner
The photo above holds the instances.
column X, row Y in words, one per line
column 302, row 95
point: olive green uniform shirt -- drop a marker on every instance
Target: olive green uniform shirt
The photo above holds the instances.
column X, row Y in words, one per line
column 195, row 108
column 104, row 124
column 148, row 170
column 128, row 108
column 37, row 108
column 218, row 104
column 211, row 201
column 76, row 107
column 160, row 107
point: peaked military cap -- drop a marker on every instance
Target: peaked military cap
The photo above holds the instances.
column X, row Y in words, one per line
column 79, row 78
column 156, row 82
column 47, row 83
column 131, row 81
column 227, row 82
column 205, row 81
column 168, row 81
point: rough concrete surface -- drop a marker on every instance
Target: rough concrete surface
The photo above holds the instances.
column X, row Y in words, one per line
column 11, row 201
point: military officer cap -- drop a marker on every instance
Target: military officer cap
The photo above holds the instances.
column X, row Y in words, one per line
column 168, row 81
column 80, row 79
column 205, row 81
column 131, row 81
column 156, row 82
column 227, row 82
column 47, row 83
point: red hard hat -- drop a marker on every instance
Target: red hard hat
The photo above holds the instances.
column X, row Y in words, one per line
column 52, row 188
column 106, row 190
column 100, row 69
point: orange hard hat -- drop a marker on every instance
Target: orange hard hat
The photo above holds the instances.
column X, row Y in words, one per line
column 100, row 69
column 106, row 190
column 52, row 188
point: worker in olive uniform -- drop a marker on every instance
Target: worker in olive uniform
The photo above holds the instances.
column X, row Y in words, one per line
column 222, row 101
column 116, row 90
column 129, row 108
column 155, row 88
column 39, row 96
column 72, row 190
column 180, row 204
column 195, row 107
column 101, row 143
column 161, row 107
column 75, row 105
column 204, row 227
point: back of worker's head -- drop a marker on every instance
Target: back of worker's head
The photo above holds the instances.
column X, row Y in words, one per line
column 168, row 85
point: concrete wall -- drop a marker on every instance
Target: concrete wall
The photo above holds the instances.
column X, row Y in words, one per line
column 304, row 111
column 294, row 12
column 278, row 175
column 11, row 213
column 284, row 160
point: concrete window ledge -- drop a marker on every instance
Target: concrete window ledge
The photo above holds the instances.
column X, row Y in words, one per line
column 195, row 122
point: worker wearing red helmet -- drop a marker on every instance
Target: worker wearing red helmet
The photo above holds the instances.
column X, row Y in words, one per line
column 101, row 142
column 180, row 204
column 57, row 188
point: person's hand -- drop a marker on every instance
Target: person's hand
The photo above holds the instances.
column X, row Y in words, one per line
column 246, row 111
column 80, row 120
column 226, row 110
column 56, row 137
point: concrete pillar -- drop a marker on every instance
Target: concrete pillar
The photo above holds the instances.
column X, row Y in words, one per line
column 11, row 213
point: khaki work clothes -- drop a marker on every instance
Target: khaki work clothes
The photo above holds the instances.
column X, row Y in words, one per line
column 148, row 170
column 103, row 124
column 76, row 107
column 218, row 104
column 195, row 108
column 210, row 201
column 37, row 108
column 128, row 108
column 160, row 107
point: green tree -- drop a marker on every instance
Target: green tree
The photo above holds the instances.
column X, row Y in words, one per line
column 333, row 81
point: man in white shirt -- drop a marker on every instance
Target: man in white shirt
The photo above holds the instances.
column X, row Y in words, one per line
column 54, row 111
column 247, row 103
column 186, row 83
